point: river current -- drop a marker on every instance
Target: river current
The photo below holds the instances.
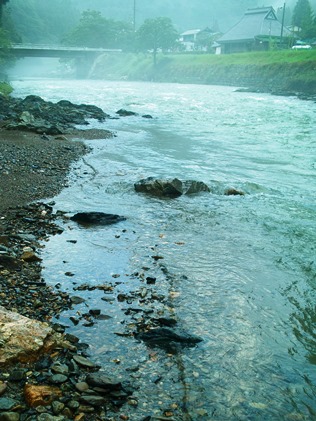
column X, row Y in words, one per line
column 241, row 269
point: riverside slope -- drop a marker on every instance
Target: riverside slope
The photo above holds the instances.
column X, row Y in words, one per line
column 278, row 72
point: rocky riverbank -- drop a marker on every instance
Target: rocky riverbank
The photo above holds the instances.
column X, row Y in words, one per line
column 45, row 373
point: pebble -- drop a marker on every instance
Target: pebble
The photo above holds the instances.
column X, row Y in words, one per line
column 57, row 407
column 83, row 361
column 58, row 379
column 9, row 416
column 3, row 387
column 7, row 403
column 82, row 386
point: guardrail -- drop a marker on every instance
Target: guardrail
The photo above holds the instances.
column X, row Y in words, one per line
column 61, row 48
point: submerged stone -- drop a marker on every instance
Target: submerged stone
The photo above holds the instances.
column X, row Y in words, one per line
column 170, row 187
column 167, row 338
column 97, row 218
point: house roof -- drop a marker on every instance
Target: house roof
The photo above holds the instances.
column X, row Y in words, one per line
column 255, row 23
column 191, row 32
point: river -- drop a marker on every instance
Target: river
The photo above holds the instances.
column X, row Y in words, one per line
column 238, row 271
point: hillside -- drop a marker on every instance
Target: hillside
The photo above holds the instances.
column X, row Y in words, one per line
column 277, row 71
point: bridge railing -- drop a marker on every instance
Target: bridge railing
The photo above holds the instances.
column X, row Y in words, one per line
column 30, row 46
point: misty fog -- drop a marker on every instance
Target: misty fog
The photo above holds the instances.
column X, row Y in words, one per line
column 184, row 13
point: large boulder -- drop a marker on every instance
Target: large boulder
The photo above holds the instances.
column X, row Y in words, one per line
column 170, row 187
column 21, row 338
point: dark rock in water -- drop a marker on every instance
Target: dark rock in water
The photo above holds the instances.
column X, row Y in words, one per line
column 101, row 380
column 97, row 218
column 166, row 321
column 93, row 400
column 125, row 113
column 147, row 116
column 36, row 115
column 167, row 338
column 170, row 188
column 233, row 192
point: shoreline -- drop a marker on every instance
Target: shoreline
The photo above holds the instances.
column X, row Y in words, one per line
column 58, row 380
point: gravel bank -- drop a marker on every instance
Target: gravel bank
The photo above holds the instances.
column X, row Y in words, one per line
column 33, row 167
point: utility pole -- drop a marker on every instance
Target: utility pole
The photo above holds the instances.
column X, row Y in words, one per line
column 282, row 25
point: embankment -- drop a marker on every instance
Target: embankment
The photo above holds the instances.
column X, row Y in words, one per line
column 276, row 71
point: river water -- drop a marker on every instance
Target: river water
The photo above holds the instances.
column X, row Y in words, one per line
column 241, row 270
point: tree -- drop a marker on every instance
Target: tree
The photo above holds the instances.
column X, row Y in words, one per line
column 95, row 31
column 156, row 34
column 2, row 3
column 6, row 59
column 303, row 18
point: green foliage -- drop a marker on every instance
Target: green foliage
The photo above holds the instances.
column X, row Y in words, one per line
column 303, row 18
column 156, row 34
column 95, row 31
column 5, row 88
column 5, row 58
column 40, row 21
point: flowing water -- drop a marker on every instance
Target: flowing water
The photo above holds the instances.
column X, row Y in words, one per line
column 241, row 270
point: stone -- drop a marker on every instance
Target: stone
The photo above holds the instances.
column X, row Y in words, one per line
column 3, row 387
column 165, row 338
column 10, row 262
column 60, row 368
column 9, row 416
column 84, row 362
column 30, row 256
column 57, row 407
column 7, row 403
column 77, row 300
column 73, row 404
column 58, row 379
column 17, row 375
column 101, row 380
column 93, row 400
column 233, row 192
column 36, row 395
column 82, row 386
column 170, row 187
column 36, row 115
column 125, row 113
column 48, row 417
column 22, row 338
column 96, row 218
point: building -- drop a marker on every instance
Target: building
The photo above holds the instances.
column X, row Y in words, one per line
column 257, row 30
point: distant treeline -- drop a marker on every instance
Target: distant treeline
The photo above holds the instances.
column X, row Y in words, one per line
column 48, row 21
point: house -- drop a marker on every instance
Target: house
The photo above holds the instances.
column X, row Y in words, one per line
column 256, row 30
column 198, row 39
column 188, row 39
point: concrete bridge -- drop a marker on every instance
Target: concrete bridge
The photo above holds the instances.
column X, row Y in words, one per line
column 40, row 50
column 84, row 57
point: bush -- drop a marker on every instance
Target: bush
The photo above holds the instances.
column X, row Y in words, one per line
column 5, row 88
